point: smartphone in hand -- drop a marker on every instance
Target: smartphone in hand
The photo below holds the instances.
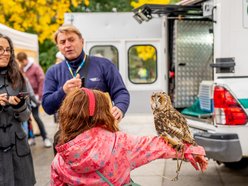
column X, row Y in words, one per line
column 22, row 95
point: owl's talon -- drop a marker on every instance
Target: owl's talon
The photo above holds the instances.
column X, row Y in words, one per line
column 178, row 147
column 175, row 178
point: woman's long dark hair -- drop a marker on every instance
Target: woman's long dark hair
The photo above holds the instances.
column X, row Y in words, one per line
column 13, row 72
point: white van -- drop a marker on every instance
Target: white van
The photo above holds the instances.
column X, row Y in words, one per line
column 196, row 51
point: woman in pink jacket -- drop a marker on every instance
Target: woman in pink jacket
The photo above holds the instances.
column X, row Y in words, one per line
column 90, row 142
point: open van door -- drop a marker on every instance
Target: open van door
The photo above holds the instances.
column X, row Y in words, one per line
column 189, row 48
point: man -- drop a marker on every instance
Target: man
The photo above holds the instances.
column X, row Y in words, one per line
column 59, row 57
column 35, row 75
column 79, row 69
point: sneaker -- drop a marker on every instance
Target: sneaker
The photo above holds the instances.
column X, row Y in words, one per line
column 31, row 141
column 47, row 143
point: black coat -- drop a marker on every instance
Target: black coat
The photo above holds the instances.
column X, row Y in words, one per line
column 16, row 164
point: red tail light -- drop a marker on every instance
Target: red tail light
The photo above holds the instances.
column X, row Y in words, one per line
column 227, row 109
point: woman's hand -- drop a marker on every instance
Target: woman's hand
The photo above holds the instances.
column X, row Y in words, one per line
column 3, row 99
column 14, row 100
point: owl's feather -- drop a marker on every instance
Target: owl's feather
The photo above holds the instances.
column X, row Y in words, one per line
column 169, row 122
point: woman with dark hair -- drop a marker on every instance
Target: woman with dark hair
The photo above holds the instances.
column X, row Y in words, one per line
column 92, row 151
column 16, row 164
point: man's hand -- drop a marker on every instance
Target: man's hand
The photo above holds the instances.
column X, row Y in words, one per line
column 117, row 113
column 71, row 84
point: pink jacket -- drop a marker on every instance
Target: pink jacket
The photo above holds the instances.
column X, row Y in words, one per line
column 36, row 77
column 113, row 154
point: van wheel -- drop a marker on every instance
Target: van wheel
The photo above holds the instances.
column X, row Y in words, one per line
column 243, row 163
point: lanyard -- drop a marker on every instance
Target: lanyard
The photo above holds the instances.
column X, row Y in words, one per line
column 80, row 66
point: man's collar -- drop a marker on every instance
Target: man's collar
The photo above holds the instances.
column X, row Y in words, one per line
column 27, row 66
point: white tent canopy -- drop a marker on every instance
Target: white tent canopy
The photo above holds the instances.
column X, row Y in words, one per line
column 22, row 41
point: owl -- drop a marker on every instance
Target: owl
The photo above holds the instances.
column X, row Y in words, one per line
column 169, row 123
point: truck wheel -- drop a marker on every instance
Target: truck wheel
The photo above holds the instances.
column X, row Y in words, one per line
column 243, row 163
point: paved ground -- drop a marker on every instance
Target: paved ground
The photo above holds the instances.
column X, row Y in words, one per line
column 147, row 175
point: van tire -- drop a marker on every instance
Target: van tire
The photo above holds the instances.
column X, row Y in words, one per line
column 243, row 163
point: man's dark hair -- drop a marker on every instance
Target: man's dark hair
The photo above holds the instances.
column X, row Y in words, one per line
column 21, row 56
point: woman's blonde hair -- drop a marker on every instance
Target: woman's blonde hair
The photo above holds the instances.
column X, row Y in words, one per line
column 74, row 116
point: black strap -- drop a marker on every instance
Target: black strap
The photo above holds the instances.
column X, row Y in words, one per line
column 104, row 178
column 84, row 70
column 131, row 183
column 6, row 149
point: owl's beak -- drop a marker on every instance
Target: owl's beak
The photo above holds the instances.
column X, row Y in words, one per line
column 153, row 106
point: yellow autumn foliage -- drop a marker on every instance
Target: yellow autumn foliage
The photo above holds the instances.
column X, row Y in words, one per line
column 42, row 16
column 146, row 52
column 141, row 2
column 86, row 2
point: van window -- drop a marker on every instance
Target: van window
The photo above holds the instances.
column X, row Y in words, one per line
column 108, row 51
column 142, row 64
